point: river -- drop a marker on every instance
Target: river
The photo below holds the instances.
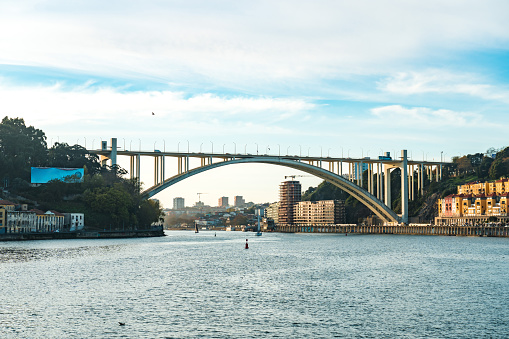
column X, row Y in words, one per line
column 188, row 285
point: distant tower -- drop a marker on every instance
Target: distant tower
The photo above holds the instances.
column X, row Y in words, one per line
column 223, row 202
column 239, row 201
column 289, row 195
column 178, row 203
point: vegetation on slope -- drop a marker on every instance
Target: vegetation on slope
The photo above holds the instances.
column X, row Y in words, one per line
column 105, row 196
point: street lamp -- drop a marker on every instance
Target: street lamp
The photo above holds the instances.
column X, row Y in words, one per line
column 256, row 148
column 279, row 150
column 300, row 151
column 124, row 143
column 308, row 151
column 139, row 141
column 234, row 147
column 178, row 147
column 441, row 152
column 164, row 145
column 187, row 146
column 212, row 147
column 131, row 145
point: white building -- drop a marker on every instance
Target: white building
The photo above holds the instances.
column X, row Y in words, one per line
column 74, row 221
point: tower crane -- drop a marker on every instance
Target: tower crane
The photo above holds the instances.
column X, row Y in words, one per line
column 294, row 176
column 199, row 196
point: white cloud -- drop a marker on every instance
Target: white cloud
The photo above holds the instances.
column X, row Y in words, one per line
column 94, row 108
column 420, row 117
column 236, row 42
column 443, row 82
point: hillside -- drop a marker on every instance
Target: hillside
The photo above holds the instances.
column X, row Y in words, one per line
column 468, row 168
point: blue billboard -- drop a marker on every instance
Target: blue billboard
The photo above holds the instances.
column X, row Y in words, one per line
column 42, row 175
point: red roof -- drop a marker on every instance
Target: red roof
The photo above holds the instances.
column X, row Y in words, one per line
column 38, row 212
column 56, row 213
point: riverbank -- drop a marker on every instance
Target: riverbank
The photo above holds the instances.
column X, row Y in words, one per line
column 480, row 231
column 153, row 232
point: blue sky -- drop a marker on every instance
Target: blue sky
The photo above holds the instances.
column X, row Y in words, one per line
column 357, row 77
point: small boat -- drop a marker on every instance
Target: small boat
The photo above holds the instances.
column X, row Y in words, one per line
column 195, row 227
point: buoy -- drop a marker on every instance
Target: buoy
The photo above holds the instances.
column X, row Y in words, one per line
column 247, row 246
column 121, row 324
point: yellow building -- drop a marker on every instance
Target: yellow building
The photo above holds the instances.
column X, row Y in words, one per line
column 3, row 221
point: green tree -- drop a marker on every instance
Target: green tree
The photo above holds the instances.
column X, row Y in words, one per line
column 63, row 155
column 21, row 147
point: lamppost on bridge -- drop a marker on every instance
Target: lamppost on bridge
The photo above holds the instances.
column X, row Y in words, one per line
column 256, row 148
column 278, row 150
column 187, row 146
column 234, row 147
column 155, row 145
column 140, row 143
column 362, row 152
column 223, row 147
column 85, row 142
column 124, row 143
column 321, row 151
column 131, row 145
column 300, row 151
column 164, row 145
column 212, row 147
column 178, row 147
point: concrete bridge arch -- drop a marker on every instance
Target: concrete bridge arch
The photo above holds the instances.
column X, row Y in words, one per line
column 366, row 198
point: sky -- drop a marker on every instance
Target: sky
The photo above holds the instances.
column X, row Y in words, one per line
column 354, row 78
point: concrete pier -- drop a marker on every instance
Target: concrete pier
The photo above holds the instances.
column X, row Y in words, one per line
column 479, row 231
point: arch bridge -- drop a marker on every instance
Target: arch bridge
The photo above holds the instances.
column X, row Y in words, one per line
column 377, row 197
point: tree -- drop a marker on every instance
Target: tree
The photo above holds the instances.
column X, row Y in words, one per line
column 21, row 147
column 63, row 155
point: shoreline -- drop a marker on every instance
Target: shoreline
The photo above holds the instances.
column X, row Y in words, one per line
column 159, row 232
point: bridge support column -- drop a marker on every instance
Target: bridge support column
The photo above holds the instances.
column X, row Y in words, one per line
column 404, row 187
column 387, row 183
column 113, row 155
column 138, row 158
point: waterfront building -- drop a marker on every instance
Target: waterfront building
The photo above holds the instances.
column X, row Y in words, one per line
column 74, row 221
column 7, row 205
column 238, row 201
column 3, row 225
column 178, row 203
column 323, row 212
column 271, row 212
column 289, row 193
column 20, row 222
column 223, row 202
column 475, row 202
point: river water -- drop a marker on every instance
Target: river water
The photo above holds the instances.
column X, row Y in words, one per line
column 188, row 285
